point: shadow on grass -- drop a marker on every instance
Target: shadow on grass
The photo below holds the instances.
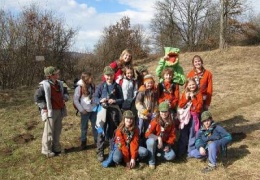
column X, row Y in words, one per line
column 78, row 149
column 235, row 154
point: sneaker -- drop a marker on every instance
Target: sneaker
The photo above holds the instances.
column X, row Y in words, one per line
column 100, row 157
column 208, row 169
column 83, row 145
column 151, row 166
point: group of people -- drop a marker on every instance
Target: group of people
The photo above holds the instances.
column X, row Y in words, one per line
column 139, row 118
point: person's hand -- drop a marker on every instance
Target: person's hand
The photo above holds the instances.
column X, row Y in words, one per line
column 111, row 101
column 132, row 163
column 160, row 143
column 187, row 95
column 191, row 95
column 84, row 112
column 103, row 100
column 149, row 115
column 166, row 149
column 166, row 57
column 202, row 151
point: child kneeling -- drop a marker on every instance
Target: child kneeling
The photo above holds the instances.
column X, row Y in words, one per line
column 126, row 146
column 161, row 135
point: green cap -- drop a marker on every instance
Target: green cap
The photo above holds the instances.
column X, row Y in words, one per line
column 128, row 114
column 141, row 68
column 164, row 106
column 205, row 116
column 168, row 50
column 49, row 71
column 108, row 70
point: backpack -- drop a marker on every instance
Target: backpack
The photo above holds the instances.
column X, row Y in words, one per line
column 162, row 88
column 39, row 97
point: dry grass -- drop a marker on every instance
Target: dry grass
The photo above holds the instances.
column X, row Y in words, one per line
column 236, row 104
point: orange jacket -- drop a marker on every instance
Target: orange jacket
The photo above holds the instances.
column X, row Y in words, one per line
column 120, row 141
column 172, row 97
column 169, row 134
column 206, row 86
column 197, row 102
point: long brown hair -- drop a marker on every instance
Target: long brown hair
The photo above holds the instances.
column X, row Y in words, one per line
column 121, row 126
column 186, row 85
column 160, row 121
column 85, row 77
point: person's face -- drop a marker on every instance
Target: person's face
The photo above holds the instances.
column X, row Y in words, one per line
column 167, row 77
column 127, row 57
column 128, row 122
column 164, row 114
column 144, row 73
column 192, row 86
column 197, row 63
column 55, row 77
column 129, row 73
column 149, row 84
column 109, row 78
column 207, row 123
column 90, row 80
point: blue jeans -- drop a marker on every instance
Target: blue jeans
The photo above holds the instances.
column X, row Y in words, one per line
column 118, row 156
column 84, row 125
column 143, row 125
column 151, row 144
column 212, row 151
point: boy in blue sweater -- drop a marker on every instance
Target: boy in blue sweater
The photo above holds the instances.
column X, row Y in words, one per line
column 211, row 139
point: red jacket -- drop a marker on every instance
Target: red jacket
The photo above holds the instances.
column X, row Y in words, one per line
column 169, row 134
column 171, row 96
column 206, row 86
column 197, row 102
column 120, row 141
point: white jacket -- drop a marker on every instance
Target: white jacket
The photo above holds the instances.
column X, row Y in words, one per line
column 129, row 88
column 82, row 102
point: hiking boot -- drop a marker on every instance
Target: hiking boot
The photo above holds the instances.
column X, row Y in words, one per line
column 152, row 166
column 83, row 145
column 100, row 156
column 208, row 169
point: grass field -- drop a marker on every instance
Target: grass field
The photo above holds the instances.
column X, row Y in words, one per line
column 235, row 105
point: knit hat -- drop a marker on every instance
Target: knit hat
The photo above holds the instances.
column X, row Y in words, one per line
column 128, row 114
column 141, row 68
column 49, row 71
column 205, row 116
column 164, row 106
column 148, row 77
column 108, row 70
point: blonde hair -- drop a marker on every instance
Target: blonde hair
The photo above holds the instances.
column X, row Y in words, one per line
column 191, row 80
column 126, row 51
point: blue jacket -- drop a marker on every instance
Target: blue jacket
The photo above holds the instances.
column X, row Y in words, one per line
column 214, row 133
column 113, row 91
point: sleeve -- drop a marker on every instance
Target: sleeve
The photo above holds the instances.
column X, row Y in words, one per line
column 197, row 103
column 223, row 136
column 175, row 101
column 160, row 67
column 134, row 145
column 97, row 94
column 121, row 145
column 76, row 98
column 179, row 77
column 172, row 135
column 139, row 104
column 183, row 101
column 151, row 130
column 135, row 88
column 209, row 89
column 199, row 141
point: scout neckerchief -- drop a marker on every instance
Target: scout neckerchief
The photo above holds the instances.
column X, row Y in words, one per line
column 129, row 136
column 198, row 76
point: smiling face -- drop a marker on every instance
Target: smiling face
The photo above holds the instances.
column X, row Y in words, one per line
column 127, row 57
column 149, row 84
column 164, row 114
column 192, row 86
column 197, row 63
column 167, row 77
column 109, row 78
column 128, row 122
column 207, row 123
column 129, row 73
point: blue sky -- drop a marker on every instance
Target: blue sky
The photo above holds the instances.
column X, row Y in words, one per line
column 92, row 16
